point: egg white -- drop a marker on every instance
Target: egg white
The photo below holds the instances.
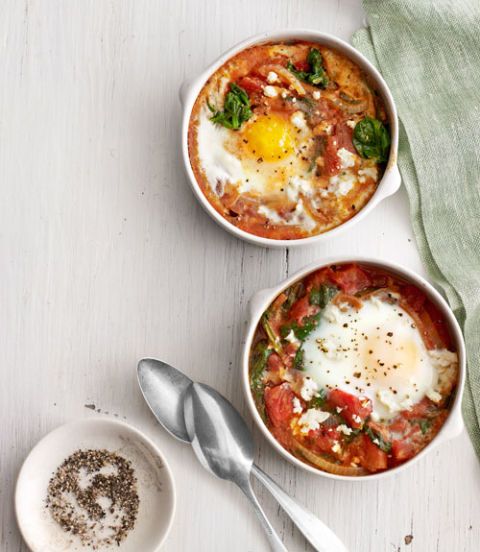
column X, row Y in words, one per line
column 375, row 352
column 225, row 158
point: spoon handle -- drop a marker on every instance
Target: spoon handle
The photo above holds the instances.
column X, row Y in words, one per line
column 275, row 543
column 316, row 532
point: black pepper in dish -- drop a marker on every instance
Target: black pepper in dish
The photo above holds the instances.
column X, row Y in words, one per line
column 93, row 495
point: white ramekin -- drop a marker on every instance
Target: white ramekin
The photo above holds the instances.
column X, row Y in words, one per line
column 390, row 181
column 261, row 300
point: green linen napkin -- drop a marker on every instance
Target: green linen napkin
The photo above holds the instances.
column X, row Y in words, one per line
column 429, row 54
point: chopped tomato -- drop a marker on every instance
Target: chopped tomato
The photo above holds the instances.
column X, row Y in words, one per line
column 420, row 410
column 344, row 136
column 302, row 65
column 279, row 404
column 354, row 410
column 399, row 425
column 363, row 451
column 318, row 278
column 302, row 308
column 351, row 278
column 403, row 449
column 323, row 439
column 251, row 84
column 330, row 157
column 274, row 362
column 374, row 458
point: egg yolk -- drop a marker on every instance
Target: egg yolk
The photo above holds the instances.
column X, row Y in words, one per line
column 393, row 359
column 269, row 137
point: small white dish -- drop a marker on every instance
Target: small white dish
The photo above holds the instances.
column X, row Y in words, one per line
column 390, row 181
column 155, row 486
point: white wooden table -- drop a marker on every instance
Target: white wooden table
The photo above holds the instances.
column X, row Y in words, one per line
column 106, row 257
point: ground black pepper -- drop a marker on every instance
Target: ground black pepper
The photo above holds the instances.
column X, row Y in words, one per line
column 93, row 495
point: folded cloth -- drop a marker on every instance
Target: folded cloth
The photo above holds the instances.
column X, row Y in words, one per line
column 429, row 54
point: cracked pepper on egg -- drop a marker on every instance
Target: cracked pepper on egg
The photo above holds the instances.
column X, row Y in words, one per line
column 288, row 140
column 353, row 369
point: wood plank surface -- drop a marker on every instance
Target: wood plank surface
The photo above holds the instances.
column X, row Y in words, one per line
column 106, row 257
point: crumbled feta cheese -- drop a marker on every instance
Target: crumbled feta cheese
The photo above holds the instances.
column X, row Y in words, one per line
column 284, row 94
column 299, row 217
column 270, row 214
column 446, row 365
column 442, row 357
column 356, row 418
column 340, row 184
column 344, row 429
column 434, row 395
column 297, row 405
column 367, row 172
column 316, row 94
column 351, row 123
column 376, row 442
column 272, row 77
column 309, row 389
column 297, row 185
column 339, row 409
column 270, row 91
column 298, row 120
column 336, row 447
column 311, row 419
column 302, row 218
column 347, row 158
column 291, row 338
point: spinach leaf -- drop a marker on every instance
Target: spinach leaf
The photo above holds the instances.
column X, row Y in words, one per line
column 258, row 363
column 319, row 400
column 371, row 139
column 322, row 296
column 378, row 440
column 424, row 425
column 319, row 297
column 309, row 323
column 236, row 109
column 317, row 74
column 298, row 359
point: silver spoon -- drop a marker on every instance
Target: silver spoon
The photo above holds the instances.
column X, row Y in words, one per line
column 217, row 433
column 164, row 389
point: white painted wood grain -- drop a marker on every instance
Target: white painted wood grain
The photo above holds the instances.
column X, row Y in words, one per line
column 106, row 257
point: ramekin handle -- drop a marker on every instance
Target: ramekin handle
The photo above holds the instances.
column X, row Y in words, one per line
column 257, row 300
column 452, row 429
column 391, row 182
column 184, row 90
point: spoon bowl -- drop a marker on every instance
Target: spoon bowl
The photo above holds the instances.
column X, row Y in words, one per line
column 220, row 437
column 163, row 388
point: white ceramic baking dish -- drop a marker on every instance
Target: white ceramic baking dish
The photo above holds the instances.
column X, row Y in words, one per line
column 262, row 299
column 390, row 181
